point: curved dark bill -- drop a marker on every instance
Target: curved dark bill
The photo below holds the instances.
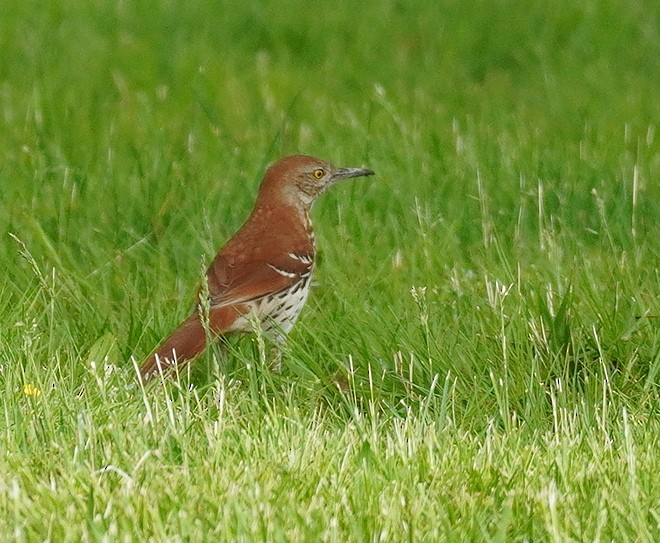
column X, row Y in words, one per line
column 345, row 173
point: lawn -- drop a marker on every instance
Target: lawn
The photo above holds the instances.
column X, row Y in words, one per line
column 479, row 359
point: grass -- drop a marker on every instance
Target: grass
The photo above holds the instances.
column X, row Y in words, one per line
column 489, row 301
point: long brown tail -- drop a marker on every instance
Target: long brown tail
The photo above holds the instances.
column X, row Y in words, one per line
column 184, row 344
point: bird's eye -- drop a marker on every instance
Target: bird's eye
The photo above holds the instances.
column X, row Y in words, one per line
column 318, row 173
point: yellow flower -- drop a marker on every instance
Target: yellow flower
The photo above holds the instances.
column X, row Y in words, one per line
column 30, row 390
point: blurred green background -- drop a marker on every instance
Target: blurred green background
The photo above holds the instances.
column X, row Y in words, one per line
column 125, row 125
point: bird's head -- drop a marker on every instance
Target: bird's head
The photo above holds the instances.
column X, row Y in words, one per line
column 297, row 180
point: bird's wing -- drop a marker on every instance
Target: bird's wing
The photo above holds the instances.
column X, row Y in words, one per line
column 258, row 279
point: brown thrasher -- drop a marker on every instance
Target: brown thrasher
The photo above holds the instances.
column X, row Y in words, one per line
column 264, row 272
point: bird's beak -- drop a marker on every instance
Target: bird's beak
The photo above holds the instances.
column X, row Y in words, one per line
column 345, row 173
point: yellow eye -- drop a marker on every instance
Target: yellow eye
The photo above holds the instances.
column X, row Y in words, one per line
column 318, row 173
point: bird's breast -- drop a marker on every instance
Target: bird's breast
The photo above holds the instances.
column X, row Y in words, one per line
column 276, row 313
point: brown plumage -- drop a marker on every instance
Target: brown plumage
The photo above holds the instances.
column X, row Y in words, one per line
column 265, row 270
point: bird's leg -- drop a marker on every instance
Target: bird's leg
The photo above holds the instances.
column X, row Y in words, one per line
column 278, row 342
column 272, row 335
column 275, row 358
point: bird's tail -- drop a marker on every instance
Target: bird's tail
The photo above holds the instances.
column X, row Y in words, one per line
column 184, row 344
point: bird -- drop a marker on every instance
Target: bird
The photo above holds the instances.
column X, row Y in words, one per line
column 263, row 273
